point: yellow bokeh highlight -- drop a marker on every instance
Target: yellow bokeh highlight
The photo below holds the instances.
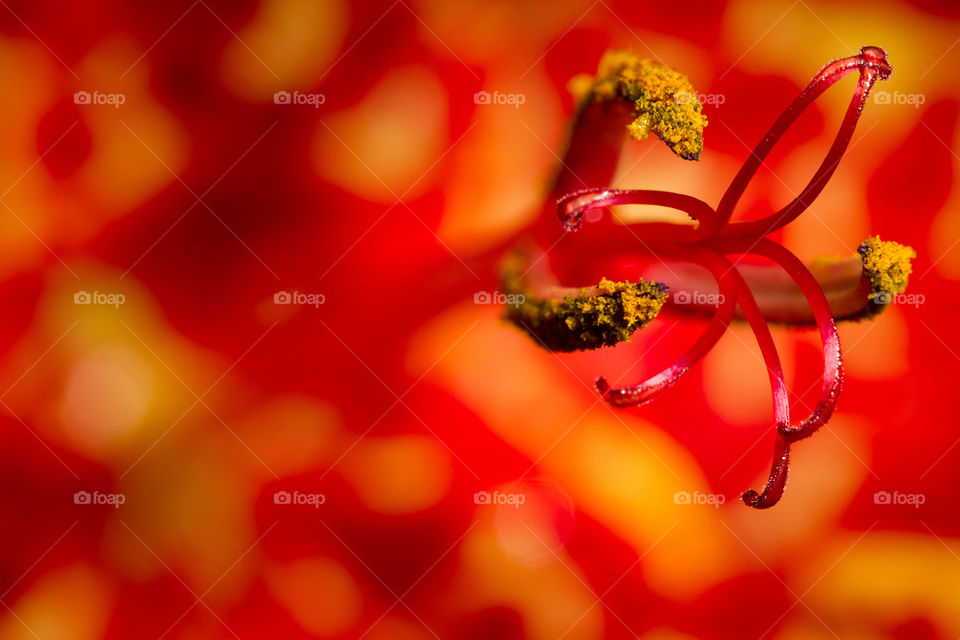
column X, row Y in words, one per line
column 319, row 593
column 878, row 349
column 737, row 357
column 108, row 393
column 944, row 232
column 889, row 577
column 826, row 473
column 116, row 376
column 527, row 528
column 400, row 474
column 551, row 598
column 138, row 147
column 70, row 603
column 466, row 28
column 121, row 386
column 120, row 172
column 27, row 66
column 944, row 243
column 189, row 501
column 838, row 220
column 288, row 45
column 621, row 470
column 796, row 40
column 291, row 434
column 382, row 147
column 498, row 192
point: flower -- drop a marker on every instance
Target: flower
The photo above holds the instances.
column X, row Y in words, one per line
column 663, row 102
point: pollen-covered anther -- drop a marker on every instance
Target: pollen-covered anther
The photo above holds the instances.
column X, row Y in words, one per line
column 887, row 265
column 594, row 317
column 664, row 101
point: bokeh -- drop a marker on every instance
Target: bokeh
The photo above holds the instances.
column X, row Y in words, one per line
column 250, row 387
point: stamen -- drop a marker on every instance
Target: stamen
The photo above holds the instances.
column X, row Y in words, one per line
column 857, row 286
column 593, row 150
column 601, row 316
column 664, row 101
column 776, row 482
column 645, row 391
column 887, row 265
column 753, row 315
column 832, row 364
column 566, row 319
column 573, row 207
column 872, row 64
column 642, row 96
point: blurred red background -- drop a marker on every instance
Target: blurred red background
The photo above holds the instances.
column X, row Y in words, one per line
column 186, row 456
